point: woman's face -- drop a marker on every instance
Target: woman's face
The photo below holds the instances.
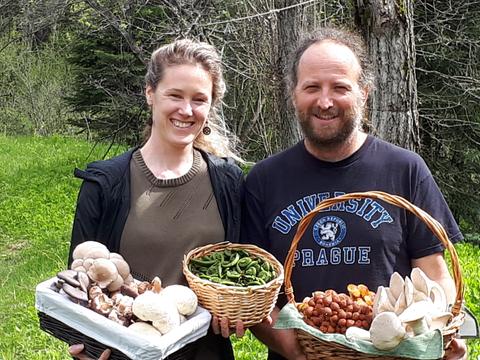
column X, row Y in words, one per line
column 180, row 104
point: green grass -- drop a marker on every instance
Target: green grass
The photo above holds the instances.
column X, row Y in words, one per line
column 37, row 203
column 37, row 199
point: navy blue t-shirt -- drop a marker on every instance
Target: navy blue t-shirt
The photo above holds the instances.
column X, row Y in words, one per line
column 359, row 241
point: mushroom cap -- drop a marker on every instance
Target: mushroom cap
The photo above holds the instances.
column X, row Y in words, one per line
column 381, row 303
column 103, row 272
column 409, row 291
column 396, row 284
column 89, row 248
column 184, row 297
column 114, row 255
column 76, row 263
column 115, row 284
column 122, row 267
column 386, row 331
column 87, row 263
column 150, row 306
column 420, row 280
column 401, row 304
column 354, row 333
column 415, row 311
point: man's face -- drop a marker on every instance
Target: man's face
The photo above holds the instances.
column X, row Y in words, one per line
column 328, row 100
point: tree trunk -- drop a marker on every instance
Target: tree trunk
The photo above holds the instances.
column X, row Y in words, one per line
column 387, row 26
column 288, row 28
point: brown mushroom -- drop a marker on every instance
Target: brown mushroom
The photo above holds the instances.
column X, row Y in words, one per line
column 103, row 272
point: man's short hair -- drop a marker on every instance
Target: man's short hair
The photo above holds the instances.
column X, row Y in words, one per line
column 340, row 36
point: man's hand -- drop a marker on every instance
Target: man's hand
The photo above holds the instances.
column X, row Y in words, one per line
column 221, row 326
column 456, row 351
column 77, row 352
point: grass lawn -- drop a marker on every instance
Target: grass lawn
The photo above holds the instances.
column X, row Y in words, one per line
column 37, row 198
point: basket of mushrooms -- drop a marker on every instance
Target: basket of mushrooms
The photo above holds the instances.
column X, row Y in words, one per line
column 407, row 318
column 98, row 303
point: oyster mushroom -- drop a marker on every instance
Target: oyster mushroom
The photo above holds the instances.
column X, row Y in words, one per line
column 122, row 267
column 408, row 290
column 77, row 263
column 396, row 284
column 381, row 303
column 415, row 316
column 103, row 272
column 430, row 288
column 115, row 284
column 75, row 293
column 401, row 304
column 90, row 249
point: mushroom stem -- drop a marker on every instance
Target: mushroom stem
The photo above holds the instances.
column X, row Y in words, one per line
column 419, row 326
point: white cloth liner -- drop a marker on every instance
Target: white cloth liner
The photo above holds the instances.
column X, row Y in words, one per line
column 114, row 335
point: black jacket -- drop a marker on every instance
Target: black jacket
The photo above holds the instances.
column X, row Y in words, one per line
column 104, row 200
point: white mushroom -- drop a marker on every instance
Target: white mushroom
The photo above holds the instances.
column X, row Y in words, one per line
column 183, row 297
column 386, row 331
column 430, row 288
column 420, row 280
column 439, row 320
column 415, row 316
column 161, row 310
column 381, row 302
column 356, row 333
column 401, row 304
column 408, row 290
column 396, row 284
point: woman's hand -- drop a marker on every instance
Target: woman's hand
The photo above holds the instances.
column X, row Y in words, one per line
column 77, row 352
column 221, row 326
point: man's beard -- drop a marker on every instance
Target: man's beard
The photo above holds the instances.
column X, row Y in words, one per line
column 350, row 121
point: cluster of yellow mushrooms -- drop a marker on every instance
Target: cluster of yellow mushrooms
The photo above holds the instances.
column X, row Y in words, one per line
column 101, row 280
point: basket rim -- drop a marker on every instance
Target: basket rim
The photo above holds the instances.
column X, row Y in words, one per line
column 229, row 245
column 434, row 226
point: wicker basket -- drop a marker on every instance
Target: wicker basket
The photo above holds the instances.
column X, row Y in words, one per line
column 249, row 304
column 315, row 348
column 93, row 348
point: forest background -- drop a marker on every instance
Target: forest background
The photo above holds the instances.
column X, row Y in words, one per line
column 74, row 69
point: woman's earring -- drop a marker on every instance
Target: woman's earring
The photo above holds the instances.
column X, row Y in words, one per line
column 206, row 130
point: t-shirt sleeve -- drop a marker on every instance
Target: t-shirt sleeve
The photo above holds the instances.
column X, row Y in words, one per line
column 253, row 230
column 427, row 196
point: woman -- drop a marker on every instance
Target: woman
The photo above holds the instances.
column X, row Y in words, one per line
column 154, row 203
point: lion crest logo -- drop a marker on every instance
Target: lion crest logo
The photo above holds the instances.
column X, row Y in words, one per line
column 329, row 231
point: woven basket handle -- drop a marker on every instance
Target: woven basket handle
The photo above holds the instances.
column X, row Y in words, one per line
column 434, row 226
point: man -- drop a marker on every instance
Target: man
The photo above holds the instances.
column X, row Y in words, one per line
column 361, row 241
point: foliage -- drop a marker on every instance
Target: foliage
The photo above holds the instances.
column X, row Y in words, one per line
column 108, row 93
column 36, row 212
column 448, row 79
column 32, row 84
